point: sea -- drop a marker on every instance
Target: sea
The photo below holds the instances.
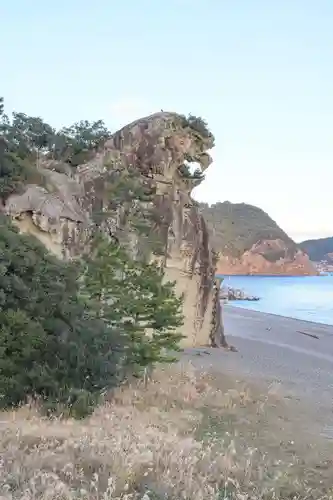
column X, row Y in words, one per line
column 308, row 298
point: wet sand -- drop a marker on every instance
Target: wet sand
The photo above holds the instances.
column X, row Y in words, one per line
column 298, row 355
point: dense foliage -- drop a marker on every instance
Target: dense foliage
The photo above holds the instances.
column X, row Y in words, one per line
column 235, row 227
column 26, row 142
column 69, row 332
column 321, row 249
column 29, row 137
column 50, row 344
column 67, row 343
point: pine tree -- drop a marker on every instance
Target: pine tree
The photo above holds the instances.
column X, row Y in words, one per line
column 131, row 296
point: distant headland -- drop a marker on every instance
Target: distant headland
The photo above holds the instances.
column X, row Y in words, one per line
column 249, row 241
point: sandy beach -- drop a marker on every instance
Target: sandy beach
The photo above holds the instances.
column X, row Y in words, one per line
column 296, row 355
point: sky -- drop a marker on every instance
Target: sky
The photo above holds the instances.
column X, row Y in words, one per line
column 259, row 71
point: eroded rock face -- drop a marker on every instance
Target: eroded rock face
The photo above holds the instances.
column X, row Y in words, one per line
column 62, row 213
column 268, row 257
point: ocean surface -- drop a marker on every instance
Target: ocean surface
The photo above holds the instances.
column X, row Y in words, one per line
column 303, row 297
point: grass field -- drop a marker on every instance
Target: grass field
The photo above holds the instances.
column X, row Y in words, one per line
column 184, row 435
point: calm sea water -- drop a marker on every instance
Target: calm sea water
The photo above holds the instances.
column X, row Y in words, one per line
column 305, row 297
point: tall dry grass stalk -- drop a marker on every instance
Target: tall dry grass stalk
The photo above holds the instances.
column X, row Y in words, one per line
column 183, row 436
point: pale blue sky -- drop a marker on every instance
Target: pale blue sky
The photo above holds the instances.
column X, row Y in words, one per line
column 259, row 71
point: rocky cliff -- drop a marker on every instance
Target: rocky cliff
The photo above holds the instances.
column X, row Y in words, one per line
column 255, row 261
column 63, row 210
column 250, row 242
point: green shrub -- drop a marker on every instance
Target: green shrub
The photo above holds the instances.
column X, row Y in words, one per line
column 65, row 345
column 51, row 346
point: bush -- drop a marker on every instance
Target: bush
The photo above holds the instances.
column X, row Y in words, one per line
column 51, row 346
column 67, row 345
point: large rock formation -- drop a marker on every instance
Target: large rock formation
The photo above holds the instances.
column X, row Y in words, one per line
column 63, row 212
column 250, row 242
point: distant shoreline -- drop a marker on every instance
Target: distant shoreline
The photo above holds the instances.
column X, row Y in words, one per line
column 233, row 304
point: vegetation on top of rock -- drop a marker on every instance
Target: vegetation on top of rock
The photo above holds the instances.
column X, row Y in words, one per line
column 320, row 249
column 15, row 173
column 31, row 137
column 198, row 125
column 235, row 227
column 27, row 142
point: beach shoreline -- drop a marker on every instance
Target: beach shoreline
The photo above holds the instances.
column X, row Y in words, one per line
column 234, row 304
column 295, row 354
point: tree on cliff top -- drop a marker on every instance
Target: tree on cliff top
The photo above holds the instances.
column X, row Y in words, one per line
column 19, row 139
column 29, row 136
column 25, row 141
column 197, row 124
column 75, row 144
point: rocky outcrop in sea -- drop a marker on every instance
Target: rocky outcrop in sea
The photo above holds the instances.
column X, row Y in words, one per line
column 228, row 293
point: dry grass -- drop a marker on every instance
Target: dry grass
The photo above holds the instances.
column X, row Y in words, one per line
column 185, row 435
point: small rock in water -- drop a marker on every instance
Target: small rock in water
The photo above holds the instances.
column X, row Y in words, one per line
column 235, row 294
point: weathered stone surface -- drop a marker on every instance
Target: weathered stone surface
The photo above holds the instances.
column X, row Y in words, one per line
column 255, row 261
column 62, row 214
